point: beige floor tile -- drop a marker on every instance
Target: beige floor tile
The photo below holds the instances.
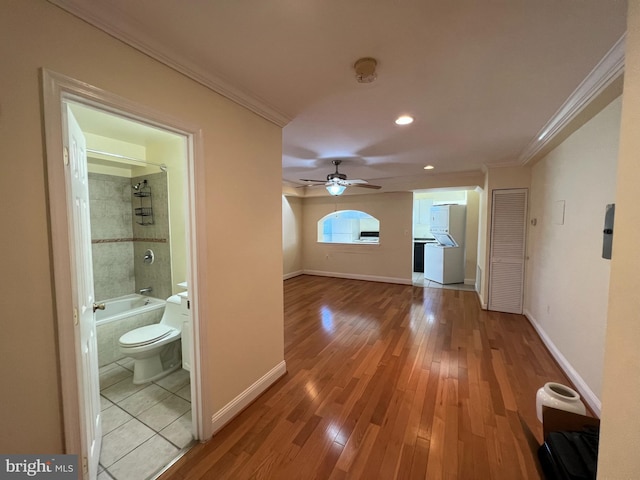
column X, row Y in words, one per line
column 143, row 399
column 113, row 375
column 174, row 381
column 105, row 403
column 121, row 390
column 104, row 475
column 127, row 363
column 164, row 412
column 185, row 392
column 113, row 417
column 106, row 368
column 418, row 280
column 179, row 432
column 117, row 443
column 145, row 460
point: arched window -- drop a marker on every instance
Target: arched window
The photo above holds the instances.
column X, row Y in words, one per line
column 349, row 226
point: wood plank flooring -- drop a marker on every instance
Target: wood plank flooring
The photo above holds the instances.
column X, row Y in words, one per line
column 388, row 382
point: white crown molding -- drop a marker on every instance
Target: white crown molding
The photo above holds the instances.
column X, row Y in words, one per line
column 603, row 74
column 127, row 34
column 509, row 164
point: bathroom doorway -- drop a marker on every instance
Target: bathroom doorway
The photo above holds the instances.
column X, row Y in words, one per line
column 129, row 240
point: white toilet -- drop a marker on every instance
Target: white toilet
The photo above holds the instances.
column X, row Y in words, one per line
column 155, row 348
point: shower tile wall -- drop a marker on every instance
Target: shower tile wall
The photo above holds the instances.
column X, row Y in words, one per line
column 154, row 237
column 111, row 235
column 119, row 242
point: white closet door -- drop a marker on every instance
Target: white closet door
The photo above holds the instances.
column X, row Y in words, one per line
column 506, row 262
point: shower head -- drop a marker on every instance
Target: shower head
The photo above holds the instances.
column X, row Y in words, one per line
column 139, row 185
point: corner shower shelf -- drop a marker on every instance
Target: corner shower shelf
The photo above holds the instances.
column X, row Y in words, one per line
column 145, row 210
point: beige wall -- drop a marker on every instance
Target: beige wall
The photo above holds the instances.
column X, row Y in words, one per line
column 390, row 260
column 483, row 234
column 245, row 338
column 291, row 235
column 567, row 286
column 620, row 433
column 471, row 234
column 173, row 154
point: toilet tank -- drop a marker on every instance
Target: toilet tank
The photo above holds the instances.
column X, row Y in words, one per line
column 172, row 313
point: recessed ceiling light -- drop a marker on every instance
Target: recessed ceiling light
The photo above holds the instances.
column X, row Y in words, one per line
column 404, row 120
column 429, row 167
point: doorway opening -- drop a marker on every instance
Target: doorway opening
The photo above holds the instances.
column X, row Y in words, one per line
column 437, row 263
column 122, row 205
column 139, row 252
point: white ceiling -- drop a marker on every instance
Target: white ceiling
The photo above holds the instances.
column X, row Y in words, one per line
column 482, row 78
column 110, row 125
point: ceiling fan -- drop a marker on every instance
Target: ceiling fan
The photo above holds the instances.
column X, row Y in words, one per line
column 337, row 182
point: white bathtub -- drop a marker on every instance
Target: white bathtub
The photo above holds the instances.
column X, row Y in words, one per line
column 127, row 306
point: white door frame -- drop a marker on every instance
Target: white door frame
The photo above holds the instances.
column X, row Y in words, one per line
column 58, row 88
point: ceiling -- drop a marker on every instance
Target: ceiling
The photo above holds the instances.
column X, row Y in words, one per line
column 484, row 79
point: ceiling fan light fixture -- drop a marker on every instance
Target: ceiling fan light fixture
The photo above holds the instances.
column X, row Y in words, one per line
column 336, row 189
column 404, row 120
column 366, row 70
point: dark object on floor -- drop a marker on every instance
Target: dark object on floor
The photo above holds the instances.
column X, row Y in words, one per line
column 570, row 454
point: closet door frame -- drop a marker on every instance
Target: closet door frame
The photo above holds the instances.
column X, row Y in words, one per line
column 508, row 250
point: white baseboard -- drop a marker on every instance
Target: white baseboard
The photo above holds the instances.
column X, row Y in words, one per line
column 585, row 392
column 355, row 276
column 469, row 281
column 234, row 407
column 483, row 305
column 287, row 276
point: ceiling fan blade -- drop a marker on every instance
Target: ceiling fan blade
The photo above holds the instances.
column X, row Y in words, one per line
column 366, row 185
column 315, row 181
column 356, row 181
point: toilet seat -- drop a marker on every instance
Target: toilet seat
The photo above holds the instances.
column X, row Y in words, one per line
column 145, row 335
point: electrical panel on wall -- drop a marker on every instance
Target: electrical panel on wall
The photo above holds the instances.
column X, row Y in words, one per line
column 607, row 233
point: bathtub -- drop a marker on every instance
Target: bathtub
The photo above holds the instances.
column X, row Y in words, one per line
column 121, row 315
column 123, row 307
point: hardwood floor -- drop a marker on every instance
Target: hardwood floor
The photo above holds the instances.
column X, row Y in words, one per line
column 388, row 381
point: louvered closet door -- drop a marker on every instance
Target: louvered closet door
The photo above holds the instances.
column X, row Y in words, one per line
column 506, row 269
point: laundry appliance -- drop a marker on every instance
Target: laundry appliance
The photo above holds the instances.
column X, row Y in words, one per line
column 444, row 260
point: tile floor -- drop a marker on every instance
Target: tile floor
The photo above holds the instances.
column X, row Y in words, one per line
column 144, row 427
column 419, row 281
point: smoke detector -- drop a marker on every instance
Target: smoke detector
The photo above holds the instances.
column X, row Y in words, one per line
column 366, row 70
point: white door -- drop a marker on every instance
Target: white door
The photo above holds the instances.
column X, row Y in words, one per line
column 434, row 263
column 439, row 217
column 83, row 299
column 506, row 260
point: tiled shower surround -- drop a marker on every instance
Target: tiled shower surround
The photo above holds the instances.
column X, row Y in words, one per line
column 119, row 243
column 111, row 223
column 118, row 246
